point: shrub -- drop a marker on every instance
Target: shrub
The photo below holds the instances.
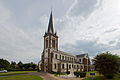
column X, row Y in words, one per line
column 54, row 72
column 68, row 72
column 77, row 74
column 109, row 76
column 81, row 74
column 1, row 68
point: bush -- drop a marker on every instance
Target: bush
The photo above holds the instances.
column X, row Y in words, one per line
column 54, row 72
column 109, row 76
column 81, row 74
column 1, row 69
column 77, row 74
column 68, row 72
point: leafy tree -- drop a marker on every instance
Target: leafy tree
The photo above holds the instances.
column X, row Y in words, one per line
column 12, row 65
column 4, row 64
column 34, row 66
column 106, row 63
column 27, row 66
column 20, row 65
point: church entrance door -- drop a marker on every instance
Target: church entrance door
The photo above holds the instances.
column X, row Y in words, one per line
column 46, row 68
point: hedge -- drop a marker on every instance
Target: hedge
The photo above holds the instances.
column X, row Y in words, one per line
column 81, row 74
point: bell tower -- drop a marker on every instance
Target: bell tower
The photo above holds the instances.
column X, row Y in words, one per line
column 50, row 37
column 50, row 44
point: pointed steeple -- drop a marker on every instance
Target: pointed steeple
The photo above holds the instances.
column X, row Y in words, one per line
column 50, row 25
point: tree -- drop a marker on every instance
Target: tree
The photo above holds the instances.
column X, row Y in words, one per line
column 20, row 65
column 27, row 66
column 13, row 63
column 106, row 63
column 4, row 64
column 34, row 66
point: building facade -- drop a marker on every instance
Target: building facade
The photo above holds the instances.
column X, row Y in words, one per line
column 53, row 59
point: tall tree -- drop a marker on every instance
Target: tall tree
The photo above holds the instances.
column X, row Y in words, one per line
column 106, row 63
column 4, row 64
column 20, row 65
column 13, row 63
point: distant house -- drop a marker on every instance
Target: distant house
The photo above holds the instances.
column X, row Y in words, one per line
column 52, row 59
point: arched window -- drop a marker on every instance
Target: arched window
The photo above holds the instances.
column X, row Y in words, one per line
column 53, row 43
column 60, row 57
column 65, row 57
column 74, row 66
column 69, row 66
column 55, row 65
column 81, row 67
column 80, row 60
column 68, row 58
column 46, row 43
column 55, row 56
column 62, row 66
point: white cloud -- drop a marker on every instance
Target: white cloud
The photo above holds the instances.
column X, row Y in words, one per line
column 21, row 31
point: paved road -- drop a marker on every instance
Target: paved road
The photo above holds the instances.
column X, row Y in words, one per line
column 47, row 76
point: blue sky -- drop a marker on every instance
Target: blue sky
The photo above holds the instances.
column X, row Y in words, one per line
column 83, row 26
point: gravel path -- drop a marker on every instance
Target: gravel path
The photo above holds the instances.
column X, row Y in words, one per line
column 47, row 76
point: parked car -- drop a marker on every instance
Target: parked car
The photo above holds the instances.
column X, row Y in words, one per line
column 3, row 71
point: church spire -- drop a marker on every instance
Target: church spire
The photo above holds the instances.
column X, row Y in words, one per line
column 50, row 25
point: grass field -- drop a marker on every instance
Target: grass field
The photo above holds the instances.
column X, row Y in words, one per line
column 96, row 77
column 15, row 73
column 100, row 77
column 22, row 77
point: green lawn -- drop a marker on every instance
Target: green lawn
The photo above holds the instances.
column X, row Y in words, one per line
column 22, row 77
column 117, row 76
column 96, row 77
column 100, row 77
column 15, row 72
column 96, row 73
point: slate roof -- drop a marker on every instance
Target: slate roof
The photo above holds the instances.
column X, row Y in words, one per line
column 61, row 52
column 81, row 55
column 50, row 25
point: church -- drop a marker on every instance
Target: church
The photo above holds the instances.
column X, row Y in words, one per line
column 54, row 60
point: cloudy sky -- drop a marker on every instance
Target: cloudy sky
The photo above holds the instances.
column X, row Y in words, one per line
column 83, row 26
